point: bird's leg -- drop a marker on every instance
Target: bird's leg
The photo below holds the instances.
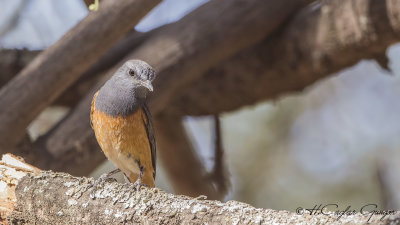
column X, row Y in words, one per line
column 103, row 179
column 126, row 178
column 138, row 182
column 104, row 176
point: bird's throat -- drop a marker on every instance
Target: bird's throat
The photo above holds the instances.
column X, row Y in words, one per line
column 118, row 103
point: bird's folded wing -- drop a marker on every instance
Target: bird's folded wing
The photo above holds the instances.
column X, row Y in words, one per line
column 150, row 135
column 92, row 109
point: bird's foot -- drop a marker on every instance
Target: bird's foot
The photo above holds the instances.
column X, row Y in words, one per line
column 138, row 185
column 101, row 180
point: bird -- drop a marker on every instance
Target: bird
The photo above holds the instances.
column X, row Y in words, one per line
column 122, row 122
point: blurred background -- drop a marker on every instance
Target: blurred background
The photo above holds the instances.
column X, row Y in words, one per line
column 336, row 141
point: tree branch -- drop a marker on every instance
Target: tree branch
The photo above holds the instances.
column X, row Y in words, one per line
column 54, row 70
column 219, row 173
column 54, row 198
column 322, row 39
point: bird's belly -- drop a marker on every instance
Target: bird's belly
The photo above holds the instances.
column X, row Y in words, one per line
column 123, row 140
column 126, row 164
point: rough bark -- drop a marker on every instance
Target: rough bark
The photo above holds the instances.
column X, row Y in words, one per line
column 322, row 39
column 43, row 80
column 36, row 197
column 12, row 169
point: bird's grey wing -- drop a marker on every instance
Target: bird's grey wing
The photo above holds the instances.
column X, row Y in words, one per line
column 150, row 135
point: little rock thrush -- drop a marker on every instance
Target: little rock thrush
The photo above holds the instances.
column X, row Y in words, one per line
column 122, row 122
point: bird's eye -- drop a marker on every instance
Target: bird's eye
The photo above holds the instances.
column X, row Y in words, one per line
column 132, row 72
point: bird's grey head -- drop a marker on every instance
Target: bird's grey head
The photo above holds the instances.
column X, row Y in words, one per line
column 127, row 89
column 134, row 77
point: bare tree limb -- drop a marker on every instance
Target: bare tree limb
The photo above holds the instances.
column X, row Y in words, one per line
column 322, row 39
column 219, row 173
column 57, row 198
column 54, row 70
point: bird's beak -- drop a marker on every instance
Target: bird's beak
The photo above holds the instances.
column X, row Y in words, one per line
column 147, row 84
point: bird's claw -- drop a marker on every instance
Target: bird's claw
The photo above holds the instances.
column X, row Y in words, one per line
column 138, row 185
column 100, row 181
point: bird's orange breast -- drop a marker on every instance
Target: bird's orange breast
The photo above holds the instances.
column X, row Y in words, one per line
column 124, row 141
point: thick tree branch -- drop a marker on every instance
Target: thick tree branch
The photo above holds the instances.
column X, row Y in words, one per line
column 54, row 70
column 57, row 198
column 322, row 39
